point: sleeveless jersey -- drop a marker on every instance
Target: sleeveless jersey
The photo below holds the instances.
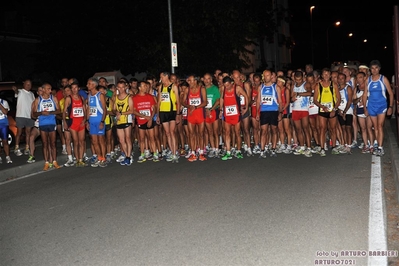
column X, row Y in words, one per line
column 49, row 106
column 344, row 100
column 376, row 91
column 302, row 102
column 360, row 105
column 268, row 98
column 231, row 103
column 76, row 108
column 168, row 99
column 96, row 109
column 327, row 97
column 122, row 105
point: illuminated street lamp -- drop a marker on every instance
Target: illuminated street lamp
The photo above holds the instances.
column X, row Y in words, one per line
column 311, row 32
column 328, row 45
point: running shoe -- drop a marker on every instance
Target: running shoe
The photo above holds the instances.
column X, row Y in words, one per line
column 299, row 151
column 273, row 153
column 8, row 159
column 262, row 155
column 354, row 144
column 121, row 158
column 141, row 159
column 64, row 152
column 308, row 153
column 249, row 152
column 55, row 165
column 175, row 159
column 31, row 159
column 211, row 154
column 192, row 158
column 256, row 150
column 18, row 152
column 323, row 153
column 227, row 157
column 46, row 166
column 102, row 164
column 380, row 152
column 155, row 158
column 26, row 152
column 128, row 162
column 69, row 163
column 335, row 151
column 202, row 158
column 366, row 149
column 239, row 155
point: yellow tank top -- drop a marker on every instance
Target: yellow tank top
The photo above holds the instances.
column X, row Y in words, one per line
column 327, row 97
column 123, row 106
column 108, row 120
column 168, row 99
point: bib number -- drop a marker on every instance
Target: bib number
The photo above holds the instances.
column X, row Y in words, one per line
column 231, row 110
column 195, row 101
column 165, row 97
column 77, row 111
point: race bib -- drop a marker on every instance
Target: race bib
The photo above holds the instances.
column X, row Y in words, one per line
column 195, row 101
column 47, row 106
column 184, row 111
column 93, row 111
column 209, row 103
column 77, row 111
column 328, row 105
column 145, row 112
column 165, row 97
column 267, row 100
column 242, row 100
column 231, row 110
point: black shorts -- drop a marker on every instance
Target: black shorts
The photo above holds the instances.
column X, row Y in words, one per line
column 326, row 115
column 122, row 126
column 167, row 116
column 145, row 126
column 347, row 122
column 269, row 117
column 58, row 122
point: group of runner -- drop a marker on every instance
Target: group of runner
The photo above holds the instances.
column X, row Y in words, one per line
column 219, row 115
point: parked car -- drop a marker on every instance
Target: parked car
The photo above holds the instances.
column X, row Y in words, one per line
column 8, row 94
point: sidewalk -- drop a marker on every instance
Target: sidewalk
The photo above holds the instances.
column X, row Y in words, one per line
column 392, row 136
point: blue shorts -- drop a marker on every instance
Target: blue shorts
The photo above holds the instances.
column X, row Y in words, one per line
column 377, row 109
column 95, row 129
column 4, row 132
column 48, row 128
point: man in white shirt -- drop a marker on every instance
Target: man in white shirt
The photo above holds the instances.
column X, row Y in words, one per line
column 23, row 115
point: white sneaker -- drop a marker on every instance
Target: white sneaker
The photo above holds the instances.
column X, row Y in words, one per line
column 64, row 152
column 121, row 158
column 8, row 159
column 18, row 152
column 69, row 163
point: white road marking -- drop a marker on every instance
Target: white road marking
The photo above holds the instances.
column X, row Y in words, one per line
column 377, row 224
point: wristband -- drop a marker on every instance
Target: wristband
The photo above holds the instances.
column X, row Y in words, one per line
column 390, row 106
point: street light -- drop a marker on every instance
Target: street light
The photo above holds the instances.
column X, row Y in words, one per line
column 328, row 45
column 311, row 32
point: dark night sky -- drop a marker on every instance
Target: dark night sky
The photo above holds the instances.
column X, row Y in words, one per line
column 365, row 21
column 371, row 22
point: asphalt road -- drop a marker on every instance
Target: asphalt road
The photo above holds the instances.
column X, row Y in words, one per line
column 289, row 210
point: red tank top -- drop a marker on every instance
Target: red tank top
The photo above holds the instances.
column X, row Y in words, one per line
column 76, row 108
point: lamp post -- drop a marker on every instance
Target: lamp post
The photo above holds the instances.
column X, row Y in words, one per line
column 328, row 45
column 311, row 32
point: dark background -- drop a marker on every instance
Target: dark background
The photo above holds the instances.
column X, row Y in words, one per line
column 133, row 36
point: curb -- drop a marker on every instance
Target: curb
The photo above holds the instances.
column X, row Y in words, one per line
column 393, row 148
